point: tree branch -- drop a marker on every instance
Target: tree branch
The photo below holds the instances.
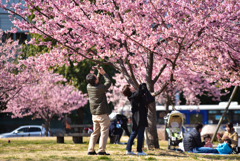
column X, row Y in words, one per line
column 81, row 9
column 126, row 75
column 227, row 44
column 175, row 60
column 131, row 73
column 163, row 22
column 149, row 67
column 130, row 65
column 144, row 62
column 236, row 64
column 129, row 37
column 64, row 44
column 154, row 94
column 159, row 73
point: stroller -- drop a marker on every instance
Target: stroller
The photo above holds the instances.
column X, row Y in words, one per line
column 174, row 124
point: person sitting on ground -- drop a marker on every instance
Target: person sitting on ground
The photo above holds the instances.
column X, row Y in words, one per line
column 122, row 121
column 115, row 129
column 192, row 141
column 229, row 134
column 225, row 147
column 207, row 140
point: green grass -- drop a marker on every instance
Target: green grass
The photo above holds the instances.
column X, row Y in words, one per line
column 53, row 156
column 46, row 148
column 104, row 158
column 151, row 158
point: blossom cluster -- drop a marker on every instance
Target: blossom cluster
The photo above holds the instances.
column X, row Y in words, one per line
column 29, row 91
column 198, row 41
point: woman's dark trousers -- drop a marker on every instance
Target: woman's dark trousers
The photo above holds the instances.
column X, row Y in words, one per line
column 140, row 133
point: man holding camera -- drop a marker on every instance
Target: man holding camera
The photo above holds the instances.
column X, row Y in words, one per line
column 99, row 110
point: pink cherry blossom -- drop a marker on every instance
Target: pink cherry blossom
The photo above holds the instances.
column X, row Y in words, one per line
column 28, row 91
column 187, row 46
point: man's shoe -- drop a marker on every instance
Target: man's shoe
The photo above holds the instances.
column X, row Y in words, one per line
column 130, row 153
column 103, row 153
column 141, row 153
column 92, row 153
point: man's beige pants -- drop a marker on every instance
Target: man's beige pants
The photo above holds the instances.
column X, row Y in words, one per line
column 100, row 123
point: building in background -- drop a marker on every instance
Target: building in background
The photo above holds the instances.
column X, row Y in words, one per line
column 6, row 24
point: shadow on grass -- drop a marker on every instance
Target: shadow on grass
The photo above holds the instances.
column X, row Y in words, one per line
column 196, row 156
column 171, row 155
column 216, row 157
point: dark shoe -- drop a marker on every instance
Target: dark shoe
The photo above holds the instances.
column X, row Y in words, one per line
column 103, row 153
column 92, row 153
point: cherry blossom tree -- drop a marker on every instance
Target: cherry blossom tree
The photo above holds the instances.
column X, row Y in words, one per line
column 10, row 82
column 27, row 92
column 44, row 98
column 188, row 43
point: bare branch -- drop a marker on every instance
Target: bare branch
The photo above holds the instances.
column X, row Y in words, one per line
column 126, row 75
column 130, row 65
column 129, row 37
column 131, row 73
column 163, row 22
column 236, row 63
column 144, row 61
column 154, row 94
column 229, row 45
column 159, row 73
column 81, row 9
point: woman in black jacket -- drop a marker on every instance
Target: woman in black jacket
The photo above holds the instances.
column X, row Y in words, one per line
column 139, row 116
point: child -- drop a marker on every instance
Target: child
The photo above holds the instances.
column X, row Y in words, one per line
column 225, row 148
column 207, row 140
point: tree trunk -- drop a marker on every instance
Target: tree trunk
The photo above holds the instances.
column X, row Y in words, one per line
column 152, row 135
column 47, row 125
column 80, row 115
column 151, row 130
column 167, row 111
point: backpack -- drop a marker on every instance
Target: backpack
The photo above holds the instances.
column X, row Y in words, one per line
column 68, row 126
column 147, row 98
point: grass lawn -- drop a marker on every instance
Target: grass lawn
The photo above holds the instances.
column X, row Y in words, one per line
column 46, row 148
